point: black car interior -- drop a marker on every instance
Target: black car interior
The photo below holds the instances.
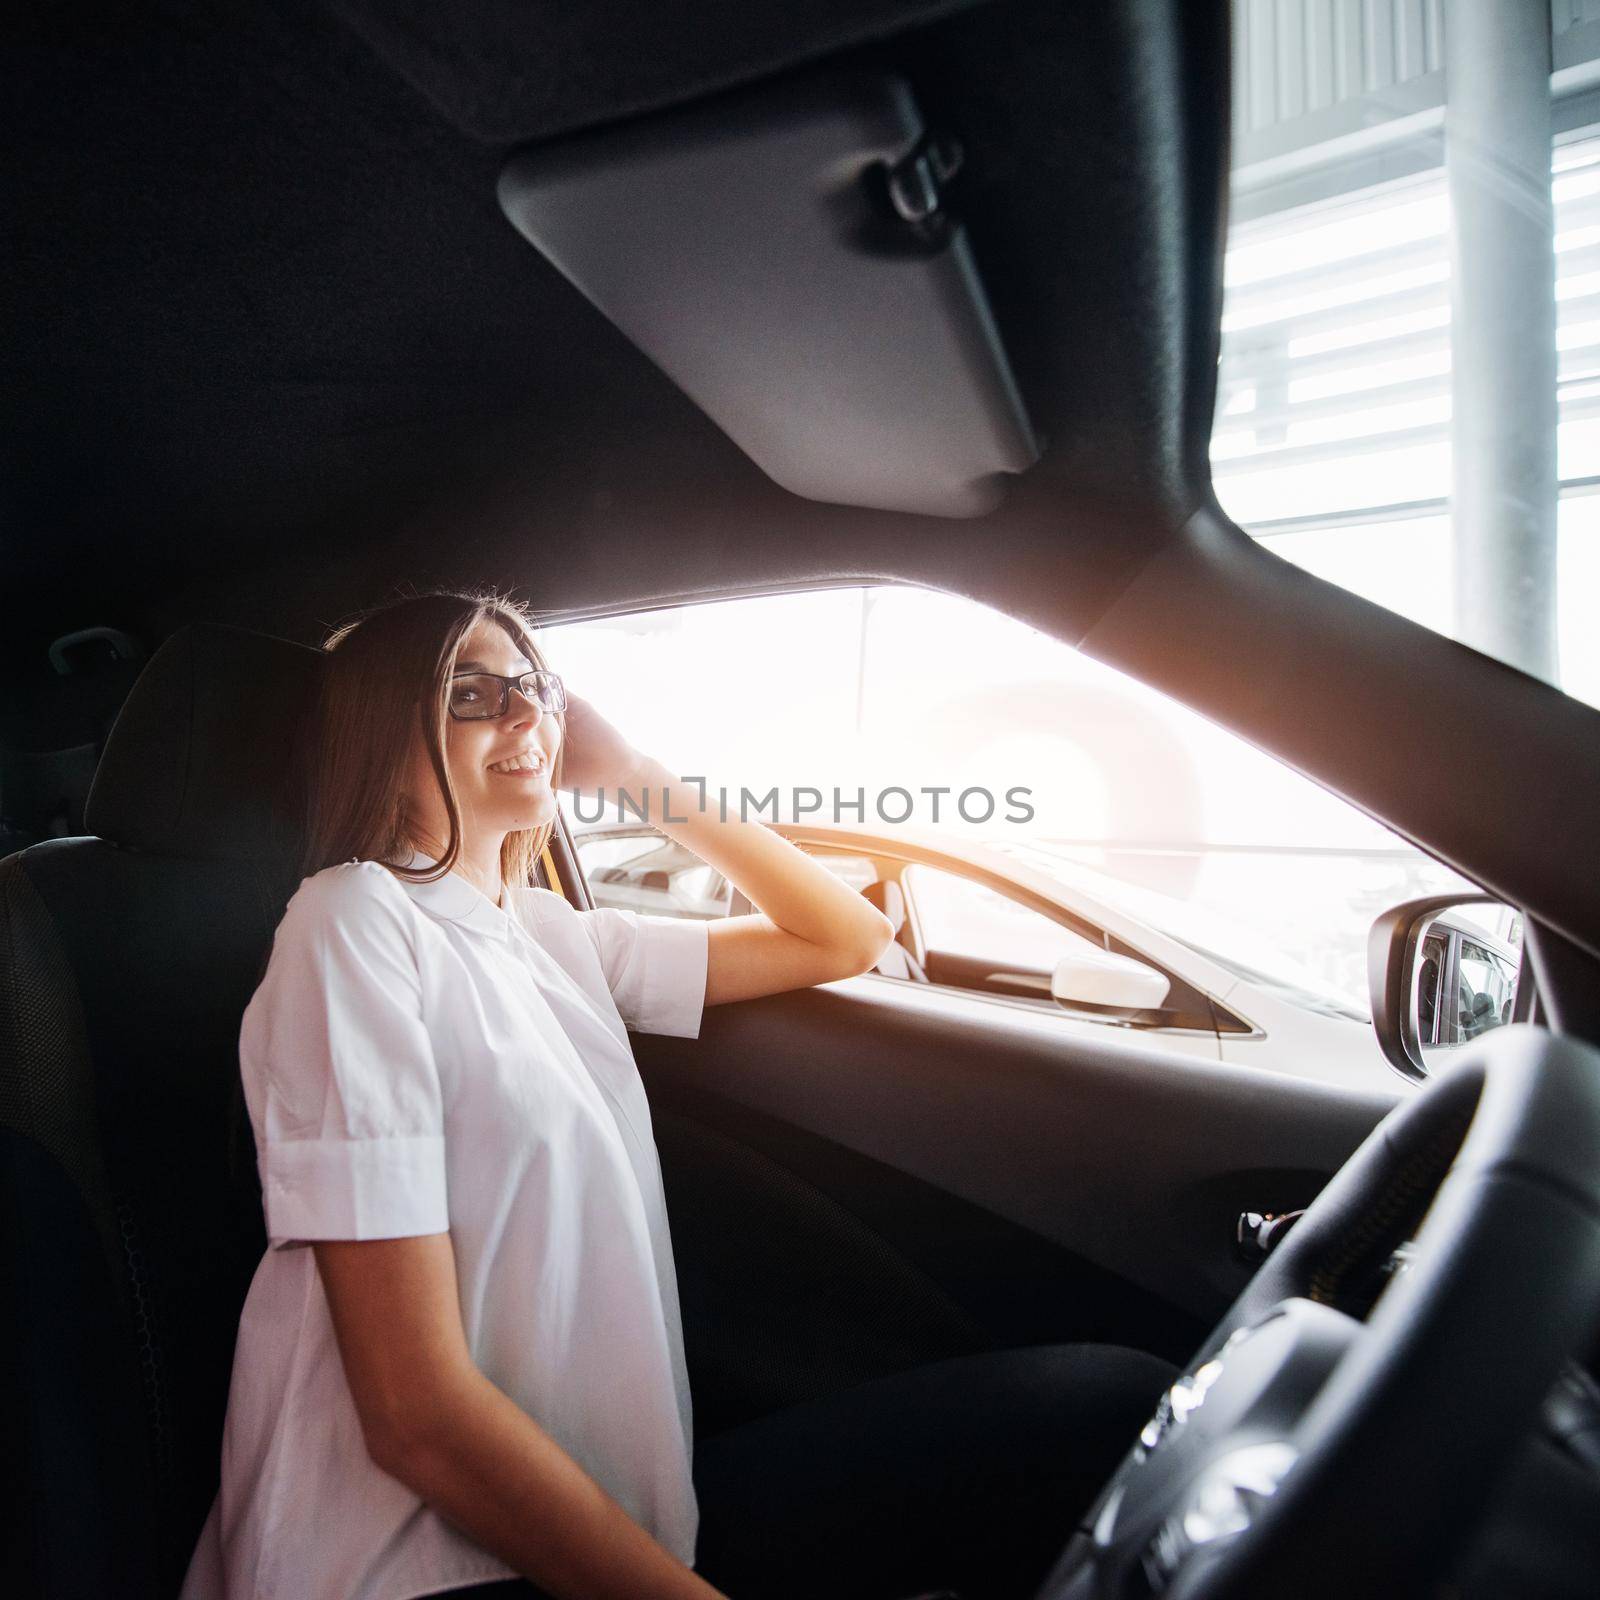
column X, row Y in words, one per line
column 306, row 304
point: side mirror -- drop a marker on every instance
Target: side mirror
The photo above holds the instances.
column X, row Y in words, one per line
column 1108, row 982
column 1442, row 970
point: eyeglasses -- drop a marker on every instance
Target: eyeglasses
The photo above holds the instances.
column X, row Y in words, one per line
column 475, row 696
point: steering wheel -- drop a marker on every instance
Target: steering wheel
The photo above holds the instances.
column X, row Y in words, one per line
column 1350, row 1416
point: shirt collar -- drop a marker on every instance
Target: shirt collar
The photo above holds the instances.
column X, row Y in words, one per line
column 454, row 898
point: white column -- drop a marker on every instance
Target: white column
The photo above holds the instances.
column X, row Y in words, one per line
column 1503, row 355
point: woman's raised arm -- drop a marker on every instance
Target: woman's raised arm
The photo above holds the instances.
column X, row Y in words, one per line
column 812, row 927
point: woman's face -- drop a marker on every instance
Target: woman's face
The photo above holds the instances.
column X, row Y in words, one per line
column 493, row 802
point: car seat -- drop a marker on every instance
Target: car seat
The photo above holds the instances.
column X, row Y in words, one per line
column 896, row 961
column 130, row 1219
column 51, row 744
column 12, row 838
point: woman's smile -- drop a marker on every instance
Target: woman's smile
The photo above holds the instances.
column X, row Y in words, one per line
column 526, row 764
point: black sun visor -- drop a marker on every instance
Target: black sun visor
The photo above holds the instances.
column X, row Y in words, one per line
column 790, row 259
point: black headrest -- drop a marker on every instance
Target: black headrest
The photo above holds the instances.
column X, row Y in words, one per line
column 205, row 757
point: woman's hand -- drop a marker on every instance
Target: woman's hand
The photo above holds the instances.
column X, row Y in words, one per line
column 596, row 755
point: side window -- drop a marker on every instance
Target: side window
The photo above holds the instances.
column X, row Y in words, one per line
column 642, row 870
column 862, row 721
column 972, row 932
column 1485, row 987
column 603, row 854
column 700, row 891
column 981, row 939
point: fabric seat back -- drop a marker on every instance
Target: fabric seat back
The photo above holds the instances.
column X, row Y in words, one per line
column 130, row 1220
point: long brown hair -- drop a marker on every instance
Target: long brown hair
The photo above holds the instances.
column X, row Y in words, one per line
column 387, row 677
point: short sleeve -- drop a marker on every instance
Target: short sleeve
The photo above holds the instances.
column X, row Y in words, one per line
column 654, row 966
column 334, row 1045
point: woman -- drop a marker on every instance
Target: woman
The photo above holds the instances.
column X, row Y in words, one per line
column 474, row 1374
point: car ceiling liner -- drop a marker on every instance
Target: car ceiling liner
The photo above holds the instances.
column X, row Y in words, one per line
column 276, row 347
column 506, row 72
column 332, row 346
column 788, row 258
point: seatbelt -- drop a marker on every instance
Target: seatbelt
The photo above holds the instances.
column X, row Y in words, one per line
column 552, row 878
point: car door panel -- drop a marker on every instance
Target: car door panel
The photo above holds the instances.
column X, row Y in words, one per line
column 1107, row 1177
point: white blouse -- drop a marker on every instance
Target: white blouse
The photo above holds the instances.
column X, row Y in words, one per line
column 417, row 1060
